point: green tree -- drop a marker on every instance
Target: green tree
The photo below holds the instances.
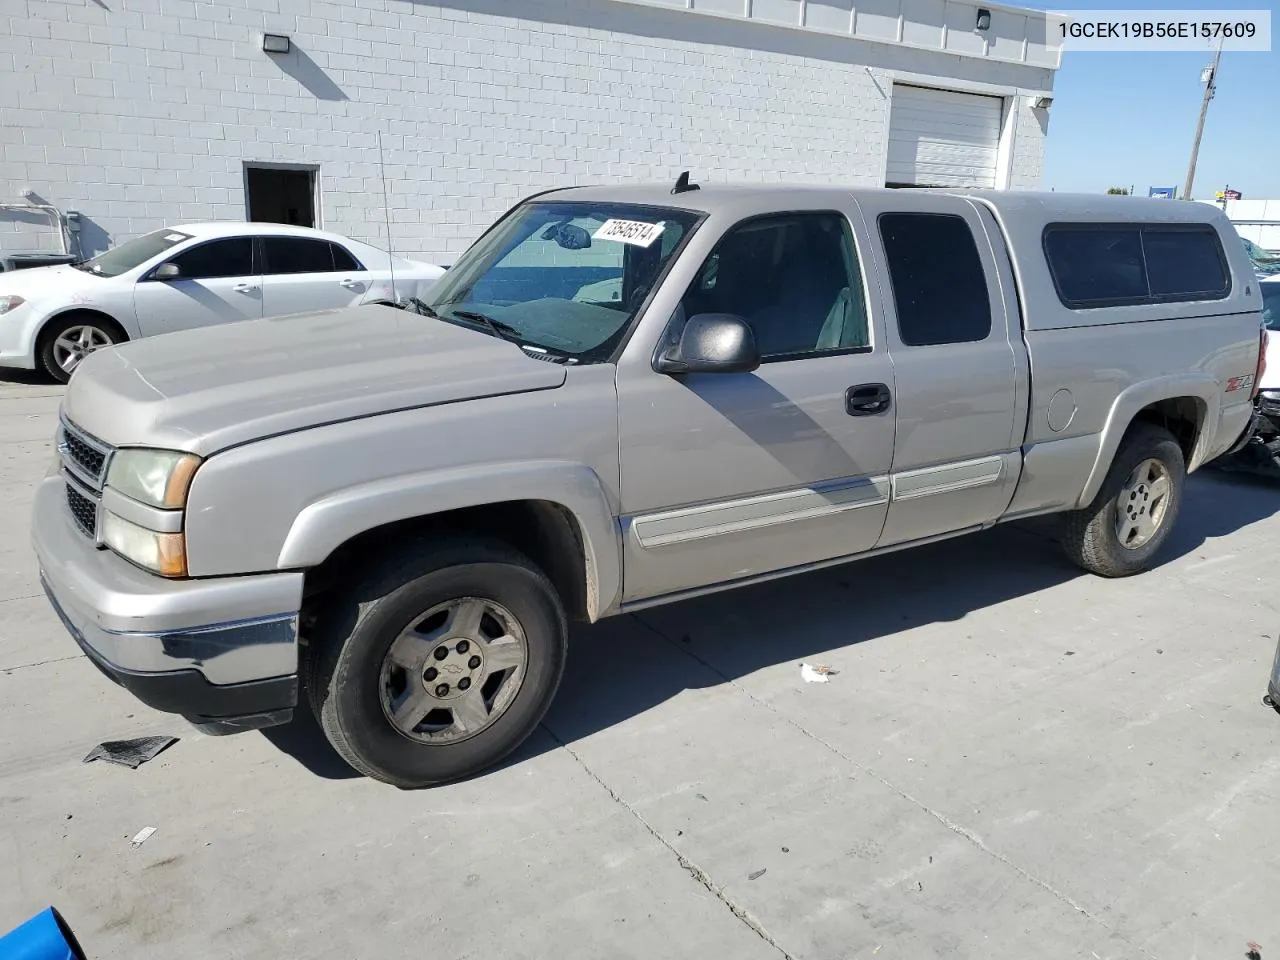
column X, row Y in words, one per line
column 1118, row 191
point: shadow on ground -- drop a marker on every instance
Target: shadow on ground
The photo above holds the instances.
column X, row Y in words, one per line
column 10, row 375
column 626, row 665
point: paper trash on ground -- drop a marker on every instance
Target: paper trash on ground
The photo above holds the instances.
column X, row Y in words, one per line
column 816, row 673
column 143, row 836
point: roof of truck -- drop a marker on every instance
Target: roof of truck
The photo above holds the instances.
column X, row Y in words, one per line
column 743, row 199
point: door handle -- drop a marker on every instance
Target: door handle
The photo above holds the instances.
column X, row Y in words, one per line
column 245, row 287
column 867, row 400
column 349, row 284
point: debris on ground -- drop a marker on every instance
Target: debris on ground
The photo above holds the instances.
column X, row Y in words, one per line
column 758, row 874
column 816, row 673
column 143, row 836
column 130, row 753
column 1255, row 951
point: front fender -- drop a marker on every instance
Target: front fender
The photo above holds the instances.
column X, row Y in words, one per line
column 1129, row 402
column 324, row 525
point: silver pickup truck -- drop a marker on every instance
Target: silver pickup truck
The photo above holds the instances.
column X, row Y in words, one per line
column 619, row 397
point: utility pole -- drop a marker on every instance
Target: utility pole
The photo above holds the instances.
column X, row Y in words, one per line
column 1211, row 84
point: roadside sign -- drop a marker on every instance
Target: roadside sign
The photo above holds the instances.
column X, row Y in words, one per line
column 1162, row 193
column 1231, row 195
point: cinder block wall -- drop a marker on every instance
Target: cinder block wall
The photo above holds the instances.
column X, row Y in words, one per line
column 140, row 113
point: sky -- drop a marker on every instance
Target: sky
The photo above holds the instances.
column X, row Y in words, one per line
column 1128, row 119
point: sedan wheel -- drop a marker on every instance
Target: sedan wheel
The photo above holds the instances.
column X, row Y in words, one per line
column 68, row 339
column 76, row 343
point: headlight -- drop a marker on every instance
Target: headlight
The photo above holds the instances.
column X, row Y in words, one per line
column 163, row 553
column 159, row 478
column 8, row 303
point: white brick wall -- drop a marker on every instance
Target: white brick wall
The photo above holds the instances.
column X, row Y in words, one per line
column 145, row 113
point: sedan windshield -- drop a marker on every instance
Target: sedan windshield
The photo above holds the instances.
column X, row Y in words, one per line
column 132, row 253
column 565, row 279
column 1271, row 303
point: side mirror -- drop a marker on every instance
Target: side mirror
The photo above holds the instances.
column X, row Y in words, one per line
column 712, row 343
column 167, row 271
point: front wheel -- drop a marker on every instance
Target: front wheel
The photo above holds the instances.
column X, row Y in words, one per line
column 439, row 665
column 1132, row 516
column 68, row 340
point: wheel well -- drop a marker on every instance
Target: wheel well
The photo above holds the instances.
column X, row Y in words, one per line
column 105, row 319
column 1181, row 416
column 545, row 532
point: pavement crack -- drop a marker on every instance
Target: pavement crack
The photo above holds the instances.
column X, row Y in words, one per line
column 39, row 663
column 691, row 868
column 954, row 827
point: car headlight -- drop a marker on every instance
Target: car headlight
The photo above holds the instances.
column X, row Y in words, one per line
column 158, row 478
column 8, row 303
column 162, row 553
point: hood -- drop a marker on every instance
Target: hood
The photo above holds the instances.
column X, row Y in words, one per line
column 63, row 280
column 208, row 389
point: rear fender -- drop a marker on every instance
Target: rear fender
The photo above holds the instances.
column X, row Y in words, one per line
column 1131, row 401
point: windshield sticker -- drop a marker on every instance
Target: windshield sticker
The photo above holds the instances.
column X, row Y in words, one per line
column 175, row 238
column 629, row 231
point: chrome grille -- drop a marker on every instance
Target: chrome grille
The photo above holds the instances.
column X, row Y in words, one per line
column 85, row 456
column 85, row 461
column 84, row 511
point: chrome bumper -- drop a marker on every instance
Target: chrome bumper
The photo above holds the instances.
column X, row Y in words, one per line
column 175, row 643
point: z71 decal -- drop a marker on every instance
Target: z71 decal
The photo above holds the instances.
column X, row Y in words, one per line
column 1239, row 383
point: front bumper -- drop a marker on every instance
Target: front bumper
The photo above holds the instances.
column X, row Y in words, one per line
column 221, row 652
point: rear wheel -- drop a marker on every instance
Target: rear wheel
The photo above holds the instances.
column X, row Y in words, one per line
column 68, row 339
column 439, row 665
column 1132, row 516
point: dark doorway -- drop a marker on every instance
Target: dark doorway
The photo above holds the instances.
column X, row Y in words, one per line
column 281, row 196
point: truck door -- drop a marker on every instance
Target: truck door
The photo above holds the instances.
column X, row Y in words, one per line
column 725, row 476
column 955, row 338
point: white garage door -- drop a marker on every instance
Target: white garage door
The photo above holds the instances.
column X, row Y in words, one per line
column 939, row 138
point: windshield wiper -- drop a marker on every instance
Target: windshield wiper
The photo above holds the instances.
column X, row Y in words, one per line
column 423, row 308
column 503, row 330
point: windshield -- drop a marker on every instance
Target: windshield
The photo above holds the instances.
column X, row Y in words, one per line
column 132, row 253
column 1271, row 304
column 565, row 278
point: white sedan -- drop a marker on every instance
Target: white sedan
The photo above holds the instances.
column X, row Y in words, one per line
column 188, row 276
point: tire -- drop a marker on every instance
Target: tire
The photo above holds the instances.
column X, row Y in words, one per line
column 1092, row 536
column 96, row 332
column 353, row 666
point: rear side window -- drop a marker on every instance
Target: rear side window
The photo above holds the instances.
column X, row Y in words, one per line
column 939, row 287
column 295, row 255
column 1102, row 265
column 342, row 260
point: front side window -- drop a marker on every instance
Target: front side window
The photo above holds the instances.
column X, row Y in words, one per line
column 939, row 286
column 1105, row 265
column 565, row 278
column 795, row 278
column 133, row 253
column 296, row 255
column 231, row 257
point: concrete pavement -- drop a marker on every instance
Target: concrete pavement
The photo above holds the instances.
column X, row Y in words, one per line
column 1014, row 760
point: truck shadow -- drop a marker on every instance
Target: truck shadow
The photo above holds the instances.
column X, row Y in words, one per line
column 624, row 666
column 621, row 668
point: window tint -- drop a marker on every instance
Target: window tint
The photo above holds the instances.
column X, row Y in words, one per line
column 343, row 261
column 1100, row 266
column 794, row 278
column 939, row 287
column 294, row 255
column 232, row 257
column 1126, row 264
column 1183, row 263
